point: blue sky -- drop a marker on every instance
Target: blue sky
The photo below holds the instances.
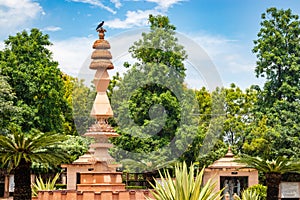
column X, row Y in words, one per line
column 223, row 29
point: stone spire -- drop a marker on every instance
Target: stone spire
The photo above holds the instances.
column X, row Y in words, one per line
column 101, row 110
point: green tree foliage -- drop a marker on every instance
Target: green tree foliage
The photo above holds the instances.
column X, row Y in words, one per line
column 273, row 170
column 277, row 49
column 80, row 99
column 18, row 150
column 261, row 139
column 239, row 107
column 75, row 146
column 112, row 84
column 9, row 112
column 151, row 121
column 278, row 53
column 187, row 185
column 160, row 46
column 151, row 105
column 69, row 125
column 226, row 117
column 207, row 145
column 36, row 81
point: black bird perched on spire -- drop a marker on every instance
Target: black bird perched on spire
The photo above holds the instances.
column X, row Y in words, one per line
column 100, row 25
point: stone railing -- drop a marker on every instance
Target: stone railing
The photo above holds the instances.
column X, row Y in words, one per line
column 89, row 195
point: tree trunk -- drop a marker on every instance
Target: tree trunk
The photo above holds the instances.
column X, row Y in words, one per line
column 272, row 182
column 22, row 181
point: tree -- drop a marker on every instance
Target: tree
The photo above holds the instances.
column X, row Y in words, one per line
column 18, row 150
column 152, row 107
column 273, row 170
column 80, row 99
column 260, row 140
column 239, row 107
column 75, row 146
column 151, row 122
column 278, row 52
column 112, row 84
column 160, row 46
column 69, row 125
column 9, row 111
column 36, row 81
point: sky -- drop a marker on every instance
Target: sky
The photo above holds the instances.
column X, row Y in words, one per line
column 218, row 34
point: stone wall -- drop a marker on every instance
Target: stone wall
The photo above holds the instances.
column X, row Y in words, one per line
column 89, row 195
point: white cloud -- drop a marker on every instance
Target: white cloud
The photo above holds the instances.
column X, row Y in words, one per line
column 233, row 59
column 117, row 3
column 139, row 18
column 212, row 60
column 52, row 28
column 96, row 3
column 73, row 56
column 228, row 51
column 165, row 4
column 133, row 19
column 72, row 53
column 14, row 14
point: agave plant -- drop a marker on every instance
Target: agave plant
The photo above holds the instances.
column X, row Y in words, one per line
column 187, row 185
column 41, row 185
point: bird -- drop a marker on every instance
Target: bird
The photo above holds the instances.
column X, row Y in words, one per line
column 100, row 25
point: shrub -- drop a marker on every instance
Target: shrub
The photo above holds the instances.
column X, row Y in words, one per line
column 248, row 195
column 261, row 190
column 41, row 185
column 185, row 186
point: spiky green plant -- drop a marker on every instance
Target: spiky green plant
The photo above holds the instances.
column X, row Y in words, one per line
column 187, row 185
column 261, row 190
column 41, row 185
column 248, row 195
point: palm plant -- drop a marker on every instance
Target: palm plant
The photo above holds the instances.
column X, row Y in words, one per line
column 273, row 169
column 18, row 150
column 186, row 186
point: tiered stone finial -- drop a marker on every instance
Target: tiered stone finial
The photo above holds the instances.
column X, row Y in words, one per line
column 101, row 110
column 95, row 171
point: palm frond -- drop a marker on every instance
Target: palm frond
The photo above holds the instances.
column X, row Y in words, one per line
column 34, row 146
column 279, row 165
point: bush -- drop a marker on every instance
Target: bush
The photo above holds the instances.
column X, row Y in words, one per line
column 41, row 185
column 261, row 190
column 248, row 195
